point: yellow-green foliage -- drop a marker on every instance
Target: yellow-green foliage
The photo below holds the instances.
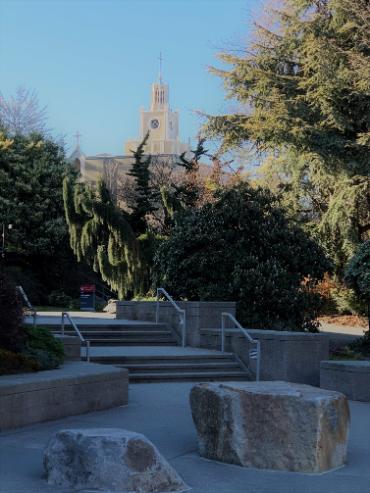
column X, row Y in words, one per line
column 101, row 235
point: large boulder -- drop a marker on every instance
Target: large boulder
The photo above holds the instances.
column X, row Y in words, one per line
column 271, row 425
column 108, row 459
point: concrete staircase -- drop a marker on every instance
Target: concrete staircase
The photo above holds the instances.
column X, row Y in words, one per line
column 210, row 366
column 152, row 354
column 128, row 334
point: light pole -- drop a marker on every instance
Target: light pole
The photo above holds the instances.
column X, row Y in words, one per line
column 9, row 226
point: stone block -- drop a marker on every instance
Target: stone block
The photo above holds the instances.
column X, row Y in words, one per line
column 271, row 425
column 108, row 459
column 352, row 378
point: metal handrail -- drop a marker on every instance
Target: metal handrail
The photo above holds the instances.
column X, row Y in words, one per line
column 82, row 339
column 179, row 310
column 253, row 353
column 28, row 303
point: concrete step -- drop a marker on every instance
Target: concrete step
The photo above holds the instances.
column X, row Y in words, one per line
column 186, row 376
column 119, row 333
column 127, row 327
column 172, row 368
column 188, row 367
column 125, row 341
column 163, row 359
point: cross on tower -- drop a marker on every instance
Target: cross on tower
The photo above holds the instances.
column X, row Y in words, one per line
column 78, row 135
column 160, row 67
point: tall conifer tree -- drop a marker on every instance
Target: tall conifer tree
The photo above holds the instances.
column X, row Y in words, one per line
column 304, row 94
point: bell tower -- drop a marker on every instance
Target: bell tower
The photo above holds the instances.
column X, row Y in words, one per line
column 161, row 121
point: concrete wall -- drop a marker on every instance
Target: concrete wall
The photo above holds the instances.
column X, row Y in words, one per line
column 75, row 388
column 199, row 315
column 72, row 347
column 289, row 356
column 352, row 378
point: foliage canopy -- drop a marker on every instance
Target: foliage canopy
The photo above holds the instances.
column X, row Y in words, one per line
column 303, row 87
column 242, row 248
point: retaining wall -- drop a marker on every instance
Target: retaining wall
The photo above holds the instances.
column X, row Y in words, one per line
column 289, row 356
column 199, row 315
column 72, row 347
column 352, row 378
column 75, row 388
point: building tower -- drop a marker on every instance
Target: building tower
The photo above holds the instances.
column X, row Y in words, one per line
column 162, row 123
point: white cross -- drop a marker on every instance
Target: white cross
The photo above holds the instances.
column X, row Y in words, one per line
column 78, row 135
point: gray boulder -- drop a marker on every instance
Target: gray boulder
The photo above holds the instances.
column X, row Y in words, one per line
column 271, row 425
column 108, row 459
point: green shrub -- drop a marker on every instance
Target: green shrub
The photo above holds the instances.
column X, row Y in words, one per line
column 44, row 348
column 59, row 298
column 242, row 248
column 11, row 316
column 16, row 363
column 357, row 273
column 346, row 301
column 357, row 277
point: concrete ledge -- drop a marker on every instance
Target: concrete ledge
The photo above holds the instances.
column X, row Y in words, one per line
column 289, row 356
column 352, row 378
column 75, row 388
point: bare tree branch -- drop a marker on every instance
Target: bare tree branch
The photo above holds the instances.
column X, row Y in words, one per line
column 21, row 114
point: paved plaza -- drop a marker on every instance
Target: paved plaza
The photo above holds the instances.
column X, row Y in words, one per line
column 162, row 413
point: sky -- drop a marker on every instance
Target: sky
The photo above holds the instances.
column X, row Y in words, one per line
column 92, row 63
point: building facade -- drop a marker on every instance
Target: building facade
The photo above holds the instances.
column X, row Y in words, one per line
column 163, row 142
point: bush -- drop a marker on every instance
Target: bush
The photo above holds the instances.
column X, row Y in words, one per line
column 16, row 363
column 12, row 335
column 357, row 273
column 59, row 298
column 242, row 248
column 347, row 302
column 44, row 348
column 357, row 277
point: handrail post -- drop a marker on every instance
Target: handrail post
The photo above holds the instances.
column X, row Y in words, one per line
column 253, row 354
column 157, row 308
column 183, row 323
column 223, row 332
column 88, row 351
column 258, row 361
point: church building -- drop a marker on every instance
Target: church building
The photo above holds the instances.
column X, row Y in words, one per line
column 163, row 141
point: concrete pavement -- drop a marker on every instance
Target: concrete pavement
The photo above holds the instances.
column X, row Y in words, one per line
column 342, row 329
column 162, row 413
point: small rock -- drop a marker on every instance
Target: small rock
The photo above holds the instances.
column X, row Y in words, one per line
column 108, row 459
column 271, row 425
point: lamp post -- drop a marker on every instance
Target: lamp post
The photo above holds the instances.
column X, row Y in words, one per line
column 8, row 226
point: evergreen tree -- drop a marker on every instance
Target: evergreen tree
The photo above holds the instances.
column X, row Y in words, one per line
column 305, row 90
column 143, row 193
column 37, row 253
column 357, row 277
column 104, row 236
column 242, row 248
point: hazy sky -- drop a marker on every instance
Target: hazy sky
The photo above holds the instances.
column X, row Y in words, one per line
column 92, row 62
